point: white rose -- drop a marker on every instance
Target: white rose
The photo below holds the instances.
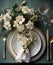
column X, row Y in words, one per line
column 25, row 9
column 19, row 8
column 7, row 25
column 20, row 19
column 15, row 24
column 7, row 17
column 30, row 25
column 32, row 11
column 19, row 27
column 9, row 11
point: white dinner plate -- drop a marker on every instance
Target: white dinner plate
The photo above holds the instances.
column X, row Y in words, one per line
column 36, row 49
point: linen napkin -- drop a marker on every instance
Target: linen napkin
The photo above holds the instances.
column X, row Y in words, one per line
column 23, row 57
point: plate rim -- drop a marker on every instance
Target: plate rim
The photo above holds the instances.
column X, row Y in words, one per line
column 32, row 59
column 40, row 46
column 43, row 50
column 8, row 47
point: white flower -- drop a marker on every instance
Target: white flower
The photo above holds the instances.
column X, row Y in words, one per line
column 15, row 24
column 7, row 25
column 22, row 39
column 20, row 19
column 19, row 27
column 18, row 8
column 1, row 17
column 25, row 9
column 30, row 25
column 7, row 17
column 9, row 11
column 32, row 11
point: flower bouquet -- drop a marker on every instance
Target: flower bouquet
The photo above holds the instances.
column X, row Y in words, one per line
column 22, row 18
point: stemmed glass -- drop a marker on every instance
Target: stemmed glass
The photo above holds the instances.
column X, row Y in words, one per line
column 43, row 10
column 50, row 22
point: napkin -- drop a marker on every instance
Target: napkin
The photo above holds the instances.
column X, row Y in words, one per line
column 23, row 57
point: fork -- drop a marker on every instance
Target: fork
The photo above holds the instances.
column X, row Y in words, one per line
column 4, row 51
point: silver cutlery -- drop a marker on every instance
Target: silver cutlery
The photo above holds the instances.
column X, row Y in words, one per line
column 47, row 38
column 4, row 50
column 50, row 21
column 51, row 41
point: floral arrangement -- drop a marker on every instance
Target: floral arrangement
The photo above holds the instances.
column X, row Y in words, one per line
column 22, row 18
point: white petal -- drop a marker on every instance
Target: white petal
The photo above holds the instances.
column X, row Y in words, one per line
column 30, row 25
column 25, row 9
column 7, row 25
column 20, row 19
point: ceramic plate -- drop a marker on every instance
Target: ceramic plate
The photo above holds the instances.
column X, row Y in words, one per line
column 36, row 49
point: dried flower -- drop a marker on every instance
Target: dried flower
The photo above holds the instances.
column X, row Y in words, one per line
column 30, row 25
column 20, row 19
column 7, row 25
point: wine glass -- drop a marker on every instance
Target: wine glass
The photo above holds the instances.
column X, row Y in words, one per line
column 50, row 23
column 43, row 9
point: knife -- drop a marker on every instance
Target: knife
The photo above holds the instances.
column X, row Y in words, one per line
column 51, row 41
column 48, row 45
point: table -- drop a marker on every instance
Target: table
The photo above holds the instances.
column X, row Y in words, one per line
column 31, row 3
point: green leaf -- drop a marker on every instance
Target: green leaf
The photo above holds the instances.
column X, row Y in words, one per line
column 24, row 3
column 15, row 6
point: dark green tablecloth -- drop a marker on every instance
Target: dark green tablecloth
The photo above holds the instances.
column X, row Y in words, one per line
column 31, row 3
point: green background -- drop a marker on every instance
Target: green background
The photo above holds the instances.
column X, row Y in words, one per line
column 31, row 3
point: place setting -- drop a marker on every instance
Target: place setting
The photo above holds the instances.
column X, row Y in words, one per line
column 25, row 41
